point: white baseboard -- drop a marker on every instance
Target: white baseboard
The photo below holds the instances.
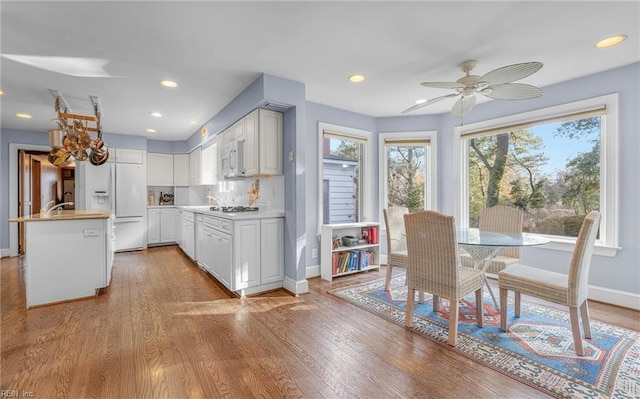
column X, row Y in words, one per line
column 313, row 271
column 295, row 287
column 615, row 297
column 4, row 252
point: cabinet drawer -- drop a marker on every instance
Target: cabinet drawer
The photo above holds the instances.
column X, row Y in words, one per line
column 225, row 225
column 212, row 222
column 187, row 216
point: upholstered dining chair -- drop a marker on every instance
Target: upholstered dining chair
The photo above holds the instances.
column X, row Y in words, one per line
column 434, row 266
column 499, row 219
column 569, row 290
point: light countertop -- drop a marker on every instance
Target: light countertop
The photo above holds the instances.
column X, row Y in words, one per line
column 63, row 215
column 266, row 214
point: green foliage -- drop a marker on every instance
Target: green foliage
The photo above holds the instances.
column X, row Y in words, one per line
column 582, row 181
column 568, row 226
column 348, row 150
column 405, row 185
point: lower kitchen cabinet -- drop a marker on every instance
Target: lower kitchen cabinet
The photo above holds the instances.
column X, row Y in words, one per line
column 187, row 234
column 161, row 226
column 271, row 251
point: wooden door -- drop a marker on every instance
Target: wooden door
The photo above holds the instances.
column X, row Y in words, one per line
column 36, row 195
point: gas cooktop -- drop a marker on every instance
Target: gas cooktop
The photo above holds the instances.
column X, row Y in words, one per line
column 234, row 209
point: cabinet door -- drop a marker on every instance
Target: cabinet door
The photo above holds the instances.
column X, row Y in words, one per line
column 167, row 225
column 127, row 155
column 190, row 240
column 238, row 130
column 199, row 240
column 222, row 140
column 270, row 143
column 209, row 164
column 251, row 143
column 159, row 169
column 181, row 169
column 195, row 161
column 153, row 226
column 246, row 254
column 271, row 250
column 224, row 258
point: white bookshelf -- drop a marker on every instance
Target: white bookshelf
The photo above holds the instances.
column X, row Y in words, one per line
column 347, row 229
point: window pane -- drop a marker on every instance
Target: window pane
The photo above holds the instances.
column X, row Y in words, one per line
column 551, row 171
column 406, row 176
column 341, row 174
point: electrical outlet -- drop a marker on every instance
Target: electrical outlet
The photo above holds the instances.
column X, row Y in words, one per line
column 314, row 253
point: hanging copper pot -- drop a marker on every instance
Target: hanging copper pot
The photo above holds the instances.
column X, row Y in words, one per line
column 81, row 155
column 59, row 157
column 84, row 140
column 70, row 142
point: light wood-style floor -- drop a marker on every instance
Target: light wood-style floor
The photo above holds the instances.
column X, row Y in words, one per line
column 165, row 329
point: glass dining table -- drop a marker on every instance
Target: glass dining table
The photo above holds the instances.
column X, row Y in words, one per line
column 484, row 246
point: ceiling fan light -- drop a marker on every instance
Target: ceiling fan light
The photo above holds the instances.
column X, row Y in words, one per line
column 611, row 41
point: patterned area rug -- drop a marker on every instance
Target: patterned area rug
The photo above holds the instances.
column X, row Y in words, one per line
column 537, row 350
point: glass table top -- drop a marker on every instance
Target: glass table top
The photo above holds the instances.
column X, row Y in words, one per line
column 473, row 236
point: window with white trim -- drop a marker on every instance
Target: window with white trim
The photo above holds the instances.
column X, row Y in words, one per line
column 407, row 170
column 344, row 173
column 556, row 164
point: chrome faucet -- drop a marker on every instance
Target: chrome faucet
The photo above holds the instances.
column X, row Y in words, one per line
column 59, row 206
column 46, row 207
column 218, row 200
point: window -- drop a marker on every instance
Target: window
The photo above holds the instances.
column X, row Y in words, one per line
column 344, row 174
column 555, row 164
column 407, row 170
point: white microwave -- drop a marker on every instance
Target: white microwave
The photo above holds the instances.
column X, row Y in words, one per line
column 232, row 159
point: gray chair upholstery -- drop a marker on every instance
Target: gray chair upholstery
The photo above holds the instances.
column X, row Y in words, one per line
column 569, row 290
column 434, row 266
column 499, row 219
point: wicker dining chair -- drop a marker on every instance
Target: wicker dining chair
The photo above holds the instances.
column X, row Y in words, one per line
column 569, row 290
column 499, row 219
column 434, row 266
column 396, row 243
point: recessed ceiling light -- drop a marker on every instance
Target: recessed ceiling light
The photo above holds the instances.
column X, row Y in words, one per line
column 420, row 101
column 1, row 92
column 23, row 116
column 356, row 78
column 169, row 83
column 156, row 114
column 151, row 130
column 611, row 41
column 193, row 122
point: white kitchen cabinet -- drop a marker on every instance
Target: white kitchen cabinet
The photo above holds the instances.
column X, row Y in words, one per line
column 161, row 226
column 127, row 155
column 209, row 164
column 195, row 161
column 159, row 169
column 187, row 234
column 221, row 140
column 200, row 257
column 238, row 130
column 271, row 250
column 246, row 254
column 181, row 169
column 262, row 149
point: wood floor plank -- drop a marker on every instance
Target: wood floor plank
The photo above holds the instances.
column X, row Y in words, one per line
column 165, row 329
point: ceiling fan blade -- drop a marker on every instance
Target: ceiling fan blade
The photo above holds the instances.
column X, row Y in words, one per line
column 443, row 85
column 463, row 105
column 429, row 102
column 511, row 91
column 510, row 73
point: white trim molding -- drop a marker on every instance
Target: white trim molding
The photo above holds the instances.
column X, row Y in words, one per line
column 295, row 287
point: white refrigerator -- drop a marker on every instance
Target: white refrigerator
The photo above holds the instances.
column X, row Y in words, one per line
column 121, row 188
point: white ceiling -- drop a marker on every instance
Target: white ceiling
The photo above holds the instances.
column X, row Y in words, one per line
column 215, row 49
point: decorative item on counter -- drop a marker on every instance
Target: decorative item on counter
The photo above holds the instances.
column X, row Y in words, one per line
column 254, row 192
column 167, row 199
column 152, row 198
column 161, row 200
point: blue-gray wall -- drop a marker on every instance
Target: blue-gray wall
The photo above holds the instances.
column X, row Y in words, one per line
column 620, row 273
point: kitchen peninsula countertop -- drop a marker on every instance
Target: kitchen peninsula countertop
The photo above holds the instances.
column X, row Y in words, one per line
column 63, row 215
column 266, row 214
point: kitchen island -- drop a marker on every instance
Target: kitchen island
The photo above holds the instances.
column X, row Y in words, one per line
column 69, row 255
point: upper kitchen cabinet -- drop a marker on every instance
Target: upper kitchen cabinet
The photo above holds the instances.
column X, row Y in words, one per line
column 127, row 155
column 221, row 140
column 203, row 165
column 159, row 169
column 238, row 130
column 181, row 169
column 262, row 149
column 195, row 160
column 209, row 164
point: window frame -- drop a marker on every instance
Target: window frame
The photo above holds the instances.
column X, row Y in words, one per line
column 431, row 165
column 366, row 190
column 607, row 244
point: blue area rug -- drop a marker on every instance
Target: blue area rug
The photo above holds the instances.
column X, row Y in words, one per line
column 537, row 350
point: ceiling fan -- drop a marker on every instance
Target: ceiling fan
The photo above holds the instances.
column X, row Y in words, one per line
column 496, row 84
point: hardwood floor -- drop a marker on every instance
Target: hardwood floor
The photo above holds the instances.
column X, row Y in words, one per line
column 165, row 329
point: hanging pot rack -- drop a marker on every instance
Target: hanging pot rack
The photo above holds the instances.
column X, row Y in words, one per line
column 71, row 139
